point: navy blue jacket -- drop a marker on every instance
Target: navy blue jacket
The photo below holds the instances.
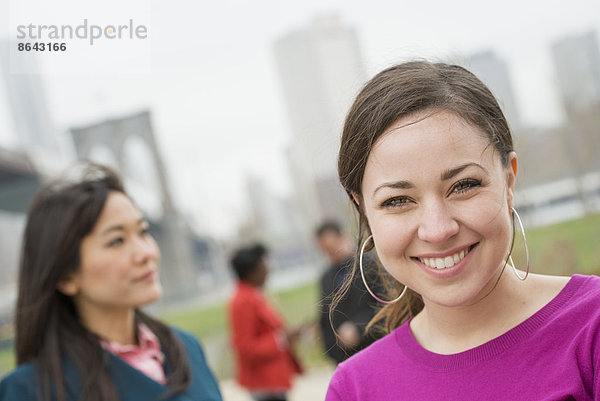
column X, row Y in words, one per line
column 132, row 384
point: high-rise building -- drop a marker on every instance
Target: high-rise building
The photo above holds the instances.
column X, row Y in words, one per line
column 321, row 71
column 28, row 108
column 18, row 183
column 577, row 62
column 493, row 71
column 28, row 145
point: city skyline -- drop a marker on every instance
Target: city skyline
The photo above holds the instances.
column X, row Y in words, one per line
column 217, row 104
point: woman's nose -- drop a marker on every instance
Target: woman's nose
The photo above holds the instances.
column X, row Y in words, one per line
column 437, row 225
column 144, row 249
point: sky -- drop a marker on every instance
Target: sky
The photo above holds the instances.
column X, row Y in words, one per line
column 209, row 76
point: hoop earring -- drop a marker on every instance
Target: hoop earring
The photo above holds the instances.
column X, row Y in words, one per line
column 512, row 264
column 362, row 274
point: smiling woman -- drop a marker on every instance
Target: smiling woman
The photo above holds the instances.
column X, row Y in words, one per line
column 88, row 265
column 427, row 159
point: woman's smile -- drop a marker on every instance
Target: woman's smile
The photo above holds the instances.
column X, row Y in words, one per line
column 445, row 260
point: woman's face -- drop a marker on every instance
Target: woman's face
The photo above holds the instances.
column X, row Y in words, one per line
column 437, row 200
column 119, row 261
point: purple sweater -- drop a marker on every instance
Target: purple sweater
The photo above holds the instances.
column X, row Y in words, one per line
column 553, row 355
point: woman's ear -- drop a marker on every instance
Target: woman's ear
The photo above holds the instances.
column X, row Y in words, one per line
column 511, row 178
column 68, row 286
column 356, row 199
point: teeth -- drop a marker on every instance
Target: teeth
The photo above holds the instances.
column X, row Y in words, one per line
column 442, row 263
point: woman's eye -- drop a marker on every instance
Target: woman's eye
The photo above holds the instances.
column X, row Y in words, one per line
column 465, row 185
column 144, row 232
column 116, row 242
column 398, row 201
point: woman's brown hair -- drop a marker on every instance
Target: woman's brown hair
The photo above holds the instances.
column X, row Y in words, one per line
column 398, row 92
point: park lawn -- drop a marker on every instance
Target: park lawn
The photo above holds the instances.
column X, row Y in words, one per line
column 7, row 361
column 202, row 322
column 298, row 305
column 565, row 248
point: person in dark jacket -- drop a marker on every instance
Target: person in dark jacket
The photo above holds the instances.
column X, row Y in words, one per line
column 88, row 265
column 343, row 330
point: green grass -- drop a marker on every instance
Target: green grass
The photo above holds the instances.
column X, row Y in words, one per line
column 201, row 322
column 563, row 248
column 7, row 361
column 298, row 305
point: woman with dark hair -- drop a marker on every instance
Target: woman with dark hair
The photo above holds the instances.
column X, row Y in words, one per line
column 427, row 159
column 263, row 346
column 88, row 264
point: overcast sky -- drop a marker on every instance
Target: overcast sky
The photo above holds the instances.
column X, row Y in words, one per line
column 213, row 85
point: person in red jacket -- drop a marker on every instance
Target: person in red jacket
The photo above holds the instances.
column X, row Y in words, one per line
column 262, row 344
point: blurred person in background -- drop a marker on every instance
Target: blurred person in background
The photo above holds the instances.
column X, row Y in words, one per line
column 355, row 309
column 88, row 264
column 263, row 346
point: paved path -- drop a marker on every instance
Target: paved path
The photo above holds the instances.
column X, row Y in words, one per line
column 311, row 386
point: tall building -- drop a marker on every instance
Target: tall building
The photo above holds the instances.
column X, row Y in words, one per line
column 29, row 149
column 493, row 71
column 18, row 183
column 321, row 71
column 577, row 62
column 28, row 107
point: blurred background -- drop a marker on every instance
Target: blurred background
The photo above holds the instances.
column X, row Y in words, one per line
column 229, row 133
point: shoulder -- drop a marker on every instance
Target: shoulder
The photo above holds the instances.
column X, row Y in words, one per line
column 189, row 341
column 20, row 384
column 573, row 312
column 583, row 297
column 193, row 347
column 582, row 292
column 365, row 369
column 25, row 370
column 243, row 295
column 381, row 350
column 567, row 292
column 203, row 380
column 587, row 283
column 328, row 274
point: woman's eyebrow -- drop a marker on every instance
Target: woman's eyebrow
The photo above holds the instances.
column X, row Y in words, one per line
column 110, row 229
column 448, row 174
column 395, row 184
column 121, row 227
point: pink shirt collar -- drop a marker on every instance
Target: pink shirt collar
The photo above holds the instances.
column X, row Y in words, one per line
column 146, row 357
